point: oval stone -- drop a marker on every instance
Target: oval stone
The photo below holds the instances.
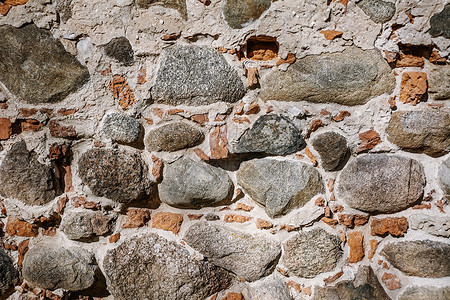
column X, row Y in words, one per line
column 173, row 136
column 8, row 274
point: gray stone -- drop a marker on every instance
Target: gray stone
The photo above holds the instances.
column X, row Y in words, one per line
column 173, row 136
column 439, row 82
column 151, row 267
column 241, row 13
column 426, row 293
column 190, row 184
column 333, row 150
column 364, row 286
column 64, row 9
column 114, row 174
column 439, row 226
column 379, row 11
column 381, row 183
column 312, row 252
column 444, row 176
column 179, row 5
column 120, row 49
column 419, row 258
column 439, row 23
column 23, row 177
column 249, row 257
column 352, row 77
column 86, row 224
column 48, row 265
column 423, row 131
column 121, row 128
column 8, row 274
column 212, row 217
column 194, row 75
column 271, row 134
column 280, row 186
column 269, row 288
column 35, row 67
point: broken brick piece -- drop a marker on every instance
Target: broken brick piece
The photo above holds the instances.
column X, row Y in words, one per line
column 355, row 242
column 369, row 139
column 231, row 218
column 391, row 281
column 20, row 228
column 393, row 226
column 413, row 87
column 122, row 92
column 244, row 207
column 168, row 221
column 373, row 248
column 136, row 217
column 5, row 128
column 331, row 34
column 263, row 224
column 218, row 143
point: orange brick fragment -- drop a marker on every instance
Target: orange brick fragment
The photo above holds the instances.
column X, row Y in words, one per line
column 233, row 296
column 218, row 143
column 157, row 168
column 236, row 218
column 114, row 238
column 333, row 278
column 136, row 217
column 23, row 249
column 373, row 248
column 20, row 228
column 194, row 216
column 252, row 77
column 331, row 34
column 122, row 92
column 244, row 207
column 329, row 221
column 409, row 60
column 253, row 109
column 393, row 226
column 307, row 290
column 391, row 281
column 294, row 285
column 422, row 206
column 201, row 154
column 369, row 139
column 355, row 242
column 263, row 224
column 168, row 221
column 142, row 73
column 5, row 128
column 311, row 156
column 341, row 116
column 413, row 87
column 201, row 119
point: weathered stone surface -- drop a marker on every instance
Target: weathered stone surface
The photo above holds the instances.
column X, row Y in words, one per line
column 173, row 136
column 179, row 5
column 48, row 265
column 151, row 267
column 114, row 174
column 419, row 258
column 120, row 49
column 32, row 60
column 426, row 131
column 312, row 252
column 381, row 183
column 271, row 134
column 426, row 293
column 439, row 23
column 239, row 14
column 269, row 288
column 333, row 150
column 352, row 77
column 379, row 11
column 434, row 225
column 393, row 226
column 249, row 257
column 8, row 274
column 85, row 224
column 279, row 186
column 190, row 184
column 195, row 75
column 444, row 176
column 439, row 82
column 24, row 178
column 121, row 128
column 364, row 286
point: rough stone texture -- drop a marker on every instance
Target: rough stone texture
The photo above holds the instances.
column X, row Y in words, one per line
column 194, row 75
column 279, row 186
column 269, row 288
column 151, row 267
column 271, row 134
column 422, row 258
column 364, row 286
column 439, row 226
column 311, row 253
column 239, row 14
column 444, row 176
column 352, row 77
column 394, row 226
column 173, row 136
column 8, row 274
column 24, row 178
column 381, row 183
column 85, row 224
column 40, row 63
column 190, row 184
column 249, row 257
column 121, row 128
column 426, row 131
column 426, row 293
column 120, row 49
column 379, row 11
column 49, row 265
column 333, row 150
column 439, row 83
column 413, row 87
column 114, row 174
column 179, row 5
column 439, row 23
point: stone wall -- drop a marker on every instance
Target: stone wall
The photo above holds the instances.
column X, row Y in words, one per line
column 224, row 149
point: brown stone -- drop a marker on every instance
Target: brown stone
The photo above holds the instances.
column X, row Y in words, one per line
column 175, row 111
column 158, row 112
column 360, row 220
column 369, row 139
column 373, row 248
column 311, row 156
column 58, row 130
column 331, row 34
column 409, row 60
column 394, row 226
column 263, row 224
column 20, row 228
column 51, row 231
column 341, row 116
column 320, row 202
column 307, row 290
column 136, row 217
column 142, row 73
column 122, row 92
column 435, row 58
column 252, row 77
column 253, row 109
column 5, row 128
column 391, row 281
column 218, row 143
column 201, row 119
column 4, row 9
column 60, row 204
column 27, row 112
column 295, row 286
column 329, row 221
column 23, row 248
column 231, row 218
column 30, row 125
column 67, row 112
column 333, row 278
column 114, row 238
column 199, row 152
column 157, row 168
column 168, row 221
column 355, row 242
column 244, row 207
column 194, row 216
column 233, row 296
column 413, row 87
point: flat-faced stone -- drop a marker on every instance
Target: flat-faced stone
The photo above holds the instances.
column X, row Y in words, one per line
column 435, row 225
column 35, row 67
column 248, row 256
column 121, row 128
column 426, row 293
column 352, row 77
column 173, row 136
column 423, row 258
column 239, row 14
column 194, row 75
column 312, row 252
column 379, row 11
column 271, row 134
column 114, row 174
column 381, row 183
column 269, row 288
column 423, row 131
column 439, row 23
column 179, row 5
column 444, row 176
column 190, row 184
column 23, row 177
column 333, row 150
column 85, row 224
column 120, row 49
column 280, row 186
column 151, row 267
column 439, row 82
column 8, row 274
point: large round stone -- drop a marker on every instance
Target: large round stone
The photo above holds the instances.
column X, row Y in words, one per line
column 379, row 11
column 381, row 183
column 121, row 128
column 240, row 13
column 173, row 136
column 439, row 23
column 8, row 274
column 439, row 82
column 82, row 225
column 333, row 150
